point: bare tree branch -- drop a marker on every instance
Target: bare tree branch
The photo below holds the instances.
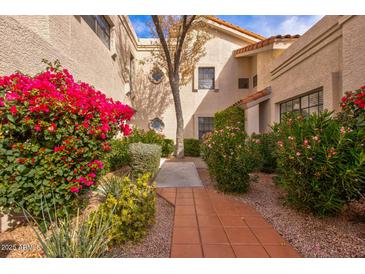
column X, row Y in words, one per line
column 160, row 34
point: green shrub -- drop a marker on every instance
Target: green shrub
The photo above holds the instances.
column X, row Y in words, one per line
column 144, row 158
column 118, row 155
column 266, row 144
column 230, row 158
column 192, row 147
column 152, row 137
column 167, row 147
column 321, row 164
column 73, row 237
column 233, row 116
column 132, row 206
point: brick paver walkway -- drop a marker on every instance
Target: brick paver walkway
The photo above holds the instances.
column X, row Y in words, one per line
column 212, row 225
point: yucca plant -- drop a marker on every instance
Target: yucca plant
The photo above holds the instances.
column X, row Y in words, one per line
column 111, row 185
column 72, row 237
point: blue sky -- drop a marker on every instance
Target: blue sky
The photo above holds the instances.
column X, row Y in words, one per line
column 266, row 25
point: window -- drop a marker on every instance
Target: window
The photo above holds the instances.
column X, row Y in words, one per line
column 243, row 83
column 157, row 124
column 254, row 81
column 100, row 26
column 157, row 75
column 205, row 125
column 206, row 78
column 307, row 104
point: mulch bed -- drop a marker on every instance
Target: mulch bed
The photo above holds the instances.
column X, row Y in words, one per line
column 21, row 242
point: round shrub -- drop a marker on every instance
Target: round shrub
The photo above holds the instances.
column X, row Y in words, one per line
column 152, row 137
column 321, row 164
column 54, row 133
column 192, row 147
column 144, row 158
column 230, row 158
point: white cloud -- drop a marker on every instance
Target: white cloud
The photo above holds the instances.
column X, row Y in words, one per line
column 274, row 25
column 296, row 24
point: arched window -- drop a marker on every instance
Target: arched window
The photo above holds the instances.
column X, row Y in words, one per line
column 157, row 75
column 157, row 124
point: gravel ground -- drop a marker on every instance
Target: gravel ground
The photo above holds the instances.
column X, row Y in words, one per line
column 21, row 242
column 157, row 243
column 311, row 236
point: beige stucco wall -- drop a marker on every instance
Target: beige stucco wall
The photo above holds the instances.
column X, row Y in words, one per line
column 26, row 40
column 199, row 103
column 313, row 61
column 353, row 50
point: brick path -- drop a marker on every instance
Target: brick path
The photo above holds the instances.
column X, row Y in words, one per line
column 208, row 224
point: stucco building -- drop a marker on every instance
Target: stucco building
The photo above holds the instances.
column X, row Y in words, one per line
column 266, row 76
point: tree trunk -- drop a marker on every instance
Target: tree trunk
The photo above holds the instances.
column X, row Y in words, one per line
column 179, row 148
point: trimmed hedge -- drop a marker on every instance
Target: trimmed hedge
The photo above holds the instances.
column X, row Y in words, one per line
column 167, row 147
column 230, row 117
column 192, row 147
column 144, row 158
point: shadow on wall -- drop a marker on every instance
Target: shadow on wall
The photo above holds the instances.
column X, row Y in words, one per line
column 227, row 95
column 149, row 99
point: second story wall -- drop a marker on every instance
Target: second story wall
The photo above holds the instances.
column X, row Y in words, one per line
column 26, row 40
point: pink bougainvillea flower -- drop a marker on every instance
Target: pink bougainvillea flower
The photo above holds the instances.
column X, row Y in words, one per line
column 88, row 183
column 103, row 136
column 74, row 189
column 127, row 130
column 52, row 127
column 59, row 148
column 91, row 175
column 13, row 110
column 37, row 127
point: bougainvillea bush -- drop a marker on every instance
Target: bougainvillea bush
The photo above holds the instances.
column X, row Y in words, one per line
column 54, row 133
column 230, row 158
column 321, row 163
column 353, row 108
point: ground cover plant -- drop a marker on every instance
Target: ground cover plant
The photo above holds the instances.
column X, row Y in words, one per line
column 54, row 133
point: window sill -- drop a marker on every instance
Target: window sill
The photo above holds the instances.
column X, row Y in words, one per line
column 207, row 90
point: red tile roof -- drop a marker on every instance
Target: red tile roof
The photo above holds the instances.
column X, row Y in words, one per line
column 266, row 42
column 235, row 27
column 253, row 97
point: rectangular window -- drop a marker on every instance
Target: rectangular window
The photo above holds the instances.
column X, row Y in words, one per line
column 206, row 78
column 100, row 26
column 254, row 81
column 243, row 83
column 307, row 104
column 205, row 125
